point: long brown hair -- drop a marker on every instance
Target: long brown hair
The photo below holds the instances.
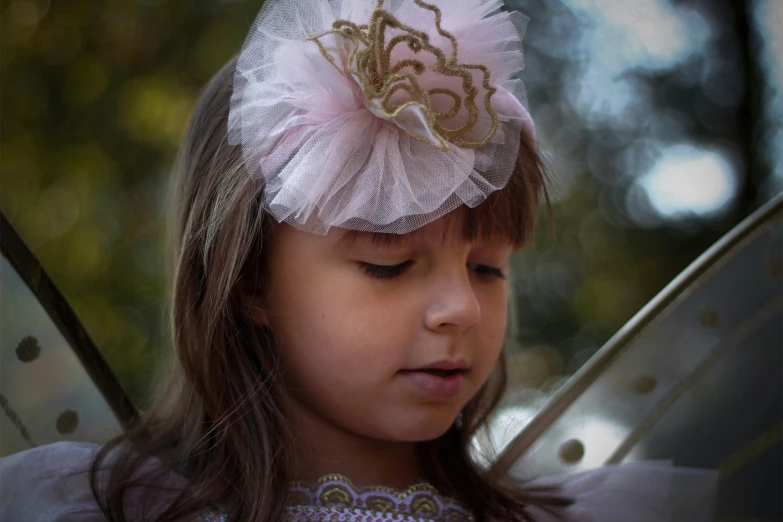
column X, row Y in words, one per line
column 219, row 421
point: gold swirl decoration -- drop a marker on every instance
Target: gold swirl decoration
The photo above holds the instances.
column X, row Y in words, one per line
column 367, row 59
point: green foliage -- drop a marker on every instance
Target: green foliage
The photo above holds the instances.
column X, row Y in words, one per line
column 95, row 98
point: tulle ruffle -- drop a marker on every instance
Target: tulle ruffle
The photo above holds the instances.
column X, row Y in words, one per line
column 330, row 156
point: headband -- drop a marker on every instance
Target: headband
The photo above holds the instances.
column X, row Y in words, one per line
column 379, row 116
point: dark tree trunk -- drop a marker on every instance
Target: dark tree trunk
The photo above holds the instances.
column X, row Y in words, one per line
column 749, row 114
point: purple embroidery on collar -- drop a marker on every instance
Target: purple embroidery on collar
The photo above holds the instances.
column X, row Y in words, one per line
column 334, row 497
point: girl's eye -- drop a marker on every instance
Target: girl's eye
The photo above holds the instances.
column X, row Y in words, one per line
column 385, row 271
column 485, row 271
column 391, row 271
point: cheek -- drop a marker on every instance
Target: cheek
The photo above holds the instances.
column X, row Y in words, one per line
column 335, row 323
column 492, row 332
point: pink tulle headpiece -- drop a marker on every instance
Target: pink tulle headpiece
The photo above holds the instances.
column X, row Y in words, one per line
column 379, row 116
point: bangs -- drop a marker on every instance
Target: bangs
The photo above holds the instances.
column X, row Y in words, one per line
column 506, row 215
column 510, row 213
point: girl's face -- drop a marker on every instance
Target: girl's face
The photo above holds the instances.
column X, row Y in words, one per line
column 369, row 332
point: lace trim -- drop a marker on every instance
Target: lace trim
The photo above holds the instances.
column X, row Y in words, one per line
column 322, row 514
column 336, row 498
column 337, row 493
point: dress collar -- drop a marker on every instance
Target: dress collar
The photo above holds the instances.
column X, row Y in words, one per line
column 337, row 495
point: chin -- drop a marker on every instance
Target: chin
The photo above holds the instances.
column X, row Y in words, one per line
column 424, row 428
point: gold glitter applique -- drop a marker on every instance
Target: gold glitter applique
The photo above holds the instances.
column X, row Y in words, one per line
column 457, row 516
column 369, row 61
column 380, row 504
column 295, row 498
column 337, row 495
column 424, row 505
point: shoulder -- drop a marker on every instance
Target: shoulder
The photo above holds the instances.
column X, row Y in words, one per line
column 641, row 491
column 52, row 483
column 58, row 454
column 48, row 483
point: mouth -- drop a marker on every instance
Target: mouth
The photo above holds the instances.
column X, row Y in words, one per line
column 443, row 368
column 436, row 383
column 445, row 374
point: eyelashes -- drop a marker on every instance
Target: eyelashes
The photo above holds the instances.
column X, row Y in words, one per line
column 487, row 271
column 392, row 271
column 385, row 271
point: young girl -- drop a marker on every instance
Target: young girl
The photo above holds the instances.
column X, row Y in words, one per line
column 346, row 200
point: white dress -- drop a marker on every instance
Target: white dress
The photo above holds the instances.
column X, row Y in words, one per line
column 49, row 484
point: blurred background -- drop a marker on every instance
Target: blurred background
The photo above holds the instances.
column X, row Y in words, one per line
column 662, row 121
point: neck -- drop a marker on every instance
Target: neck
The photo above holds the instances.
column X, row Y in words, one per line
column 321, row 448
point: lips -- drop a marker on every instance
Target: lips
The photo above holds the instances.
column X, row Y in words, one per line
column 444, row 365
column 440, row 373
column 441, row 380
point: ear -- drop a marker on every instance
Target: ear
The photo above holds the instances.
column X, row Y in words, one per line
column 255, row 309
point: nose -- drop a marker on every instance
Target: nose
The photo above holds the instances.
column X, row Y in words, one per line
column 454, row 305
